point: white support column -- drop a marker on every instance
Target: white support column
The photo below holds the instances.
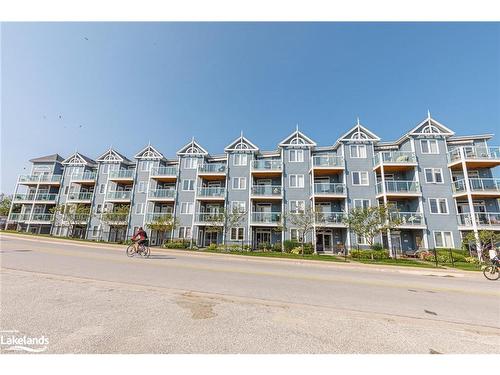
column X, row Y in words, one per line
column 384, row 196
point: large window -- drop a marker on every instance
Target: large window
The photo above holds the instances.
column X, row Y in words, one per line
column 186, row 208
column 360, row 178
column 295, row 235
column 358, row 151
column 145, row 165
column 296, row 180
column 433, row 175
column 361, row 203
column 296, row 156
column 239, row 183
column 238, row 206
column 237, row 234
column 142, row 187
column 297, row 207
column 188, row 185
column 190, row 163
column 438, row 205
column 240, row 159
column 139, row 209
column 443, row 239
column 185, row 232
column 429, row 146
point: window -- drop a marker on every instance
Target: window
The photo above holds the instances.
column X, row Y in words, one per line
column 296, row 156
column 297, row 207
column 360, row 178
column 236, row 234
column 429, row 146
column 66, row 189
column 443, row 239
column 185, row 232
column 98, row 208
column 433, row 175
column 188, row 185
column 361, row 240
column 142, row 187
column 438, row 205
column 296, row 180
column 102, row 187
column 361, row 203
column 358, row 151
column 240, row 160
column 190, row 163
column 238, row 206
column 295, row 235
column 95, row 231
column 186, row 208
column 139, row 209
column 105, row 168
column 145, row 164
column 239, row 183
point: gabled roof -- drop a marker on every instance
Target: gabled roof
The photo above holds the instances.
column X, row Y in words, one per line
column 78, row 159
column 359, row 133
column 192, row 148
column 53, row 158
column 113, row 156
column 431, row 126
column 149, row 153
column 297, row 139
column 241, row 144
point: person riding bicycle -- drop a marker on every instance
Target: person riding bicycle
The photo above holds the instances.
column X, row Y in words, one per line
column 494, row 256
column 140, row 238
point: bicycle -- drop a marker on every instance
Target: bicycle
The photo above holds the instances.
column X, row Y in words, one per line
column 142, row 250
column 491, row 271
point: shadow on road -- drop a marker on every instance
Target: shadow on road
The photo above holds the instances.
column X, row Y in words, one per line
column 160, row 257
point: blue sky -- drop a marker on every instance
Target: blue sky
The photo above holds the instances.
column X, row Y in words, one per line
column 87, row 86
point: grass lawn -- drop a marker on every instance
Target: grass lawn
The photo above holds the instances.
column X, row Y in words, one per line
column 398, row 262
column 464, row 266
column 271, row 254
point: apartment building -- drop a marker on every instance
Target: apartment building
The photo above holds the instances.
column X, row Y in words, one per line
column 442, row 185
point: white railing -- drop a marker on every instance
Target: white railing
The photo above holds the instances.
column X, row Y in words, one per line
column 328, row 161
column 215, row 218
column 122, row 174
column 394, row 157
column 40, row 178
column 266, row 217
column 212, row 168
column 330, row 217
column 118, row 195
column 407, row 218
column 482, row 218
column 216, row 192
column 269, row 190
column 153, row 216
column 15, row 216
column 42, row 217
column 83, row 196
column 326, row 188
column 474, row 153
column 266, row 165
column 164, row 171
column 478, row 184
column 399, row 187
column 46, row 197
column 162, row 193
column 84, row 176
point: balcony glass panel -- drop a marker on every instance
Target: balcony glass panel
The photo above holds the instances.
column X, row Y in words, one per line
column 164, row 171
column 116, row 217
column 211, row 217
column 407, row 218
column 19, row 216
column 266, row 217
column 328, row 161
column 85, row 196
column 266, row 190
column 329, row 188
column 125, row 195
column 153, row 216
column 485, row 184
column 475, row 152
column 122, row 173
column 211, row 192
column 85, row 176
column 488, row 218
column 395, row 157
column 399, row 187
column 40, row 178
column 266, row 165
column 212, row 168
column 162, row 193
column 42, row 217
column 330, row 217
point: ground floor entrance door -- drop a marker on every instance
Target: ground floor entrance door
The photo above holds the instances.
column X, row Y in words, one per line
column 79, row 231
column 262, row 236
column 117, row 233
column 396, row 243
column 210, row 237
column 324, row 240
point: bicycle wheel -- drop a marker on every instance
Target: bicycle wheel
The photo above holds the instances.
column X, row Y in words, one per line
column 130, row 251
column 146, row 251
column 491, row 272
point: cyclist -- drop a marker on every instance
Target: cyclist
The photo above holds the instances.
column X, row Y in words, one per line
column 140, row 238
column 494, row 256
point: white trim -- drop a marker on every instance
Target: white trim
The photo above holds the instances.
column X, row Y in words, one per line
column 239, row 179
column 299, row 186
column 434, row 176
column 297, row 135
column 358, row 148
column 438, row 206
column 360, row 179
column 429, row 153
column 296, row 201
column 231, row 238
column 297, row 153
column 361, row 199
column 238, row 141
column 443, row 237
column 188, row 179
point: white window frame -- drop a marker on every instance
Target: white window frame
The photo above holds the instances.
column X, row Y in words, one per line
column 239, row 183
column 185, row 232
column 360, row 151
column 439, row 206
column 102, row 189
column 429, row 142
column 145, row 164
column 295, row 234
column 238, row 206
column 433, row 171
column 190, row 185
column 298, row 156
column 239, row 231
column 443, row 238
column 361, row 200
column 299, row 178
column 142, row 187
column 240, row 160
column 360, row 179
column 187, row 208
column 300, row 204
column 190, row 163
column 139, row 209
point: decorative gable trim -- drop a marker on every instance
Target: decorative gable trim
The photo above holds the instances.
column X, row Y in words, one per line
column 241, row 144
column 297, row 139
column 76, row 159
column 359, row 133
column 430, row 126
column 110, row 156
column 149, row 153
column 192, row 148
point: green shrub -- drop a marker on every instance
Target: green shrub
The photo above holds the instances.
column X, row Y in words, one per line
column 176, row 244
column 296, row 250
column 308, row 248
column 289, row 245
column 377, row 246
column 212, row 247
column 370, row 254
column 277, row 247
column 264, row 246
column 472, row 260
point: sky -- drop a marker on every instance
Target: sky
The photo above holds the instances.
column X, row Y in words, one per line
column 89, row 86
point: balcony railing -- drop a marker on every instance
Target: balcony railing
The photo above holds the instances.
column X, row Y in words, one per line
column 121, row 174
column 475, row 153
column 42, row 217
column 164, row 171
column 28, row 217
column 118, row 195
column 266, row 165
column 328, row 161
column 212, row 192
column 15, row 216
column 329, row 188
column 399, row 187
column 210, row 217
column 395, row 157
column 162, row 193
column 212, row 168
column 45, row 197
column 153, row 216
column 267, row 190
column 84, row 176
column 407, row 218
column 330, row 217
column 482, row 218
column 40, row 178
column 266, row 217
column 487, row 185
column 115, row 217
column 85, row 196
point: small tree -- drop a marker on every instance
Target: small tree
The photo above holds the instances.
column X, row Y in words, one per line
column 304, row 221
column 119, row 213
column 72, row 214
column 224, row 219
column 487, row 240
column 164, row 223
column 5, row 203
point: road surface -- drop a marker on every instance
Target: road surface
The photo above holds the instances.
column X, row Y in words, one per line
column 88, row 298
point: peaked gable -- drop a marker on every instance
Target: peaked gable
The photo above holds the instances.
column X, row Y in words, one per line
column 112, row 156
column 149, row 153
column 241, row 144
column 78, row 159
column 358, row 133
column 430, row 126
column 297, row 139
column 192, row 148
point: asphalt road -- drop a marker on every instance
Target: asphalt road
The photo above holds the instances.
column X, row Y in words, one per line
column 88, row 298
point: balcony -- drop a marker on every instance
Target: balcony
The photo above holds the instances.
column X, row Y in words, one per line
column 42, row 217
column 399, row 189
column 266, row 218
column 484, row 220
column 266, row 167
column 119, row 196
column 166, row 174
column 115, row 218
column 329, row 190
column 42, row 179
column 80, row 197
column 408, row 219
column 479, row 187
column 154, row 216
column 39, row 198
column 211, row 193
column 212, row 218
column 212, row 170
column 84, row 178
column 327, row 164
column 122, row 175
column 162, row 194
column 394, row 161
column 15, row 216
column 267, row 191
column 330, row 218
column 474, row 157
